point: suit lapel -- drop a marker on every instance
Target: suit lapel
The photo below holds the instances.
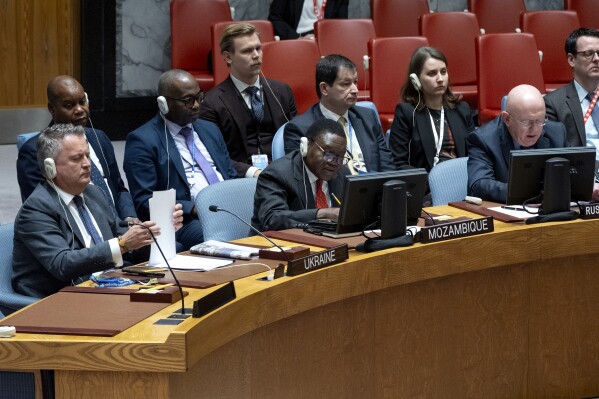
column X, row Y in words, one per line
column 425, row 131
column 234, row 102
column 169, row 146
column 302, row 181
column 506, row 142
column 576, row 110
column 97, row 208
column 456, row 125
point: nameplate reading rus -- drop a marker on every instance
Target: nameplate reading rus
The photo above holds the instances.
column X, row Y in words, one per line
column 318, row 260
column 589, row 211
column 459, row 229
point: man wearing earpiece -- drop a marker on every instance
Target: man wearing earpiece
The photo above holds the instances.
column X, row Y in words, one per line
column 247, row 108
column 66, row 228
column 305, row 184
column 176, row 150
column 68, row 103
column 336, row 86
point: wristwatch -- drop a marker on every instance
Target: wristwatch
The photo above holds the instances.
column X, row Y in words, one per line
column 122, row 244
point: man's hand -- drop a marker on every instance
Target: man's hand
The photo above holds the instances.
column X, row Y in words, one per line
column 328, row 213
column 132, row 220
column 257, row 173
column 596, row 192
column 138, row 236
column 178, row 217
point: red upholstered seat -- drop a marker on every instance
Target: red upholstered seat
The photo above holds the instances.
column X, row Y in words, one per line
column 393, row 18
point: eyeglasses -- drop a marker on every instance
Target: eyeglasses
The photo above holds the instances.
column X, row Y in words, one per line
column 588, row 54
column 191, row 100
column 530, row 123
column 329, row 157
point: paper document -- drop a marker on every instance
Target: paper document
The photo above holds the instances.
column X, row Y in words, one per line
column 517, row 212
column 162, row 207
column 195, row 263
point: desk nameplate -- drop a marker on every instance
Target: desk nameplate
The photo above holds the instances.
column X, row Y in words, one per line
column 318, row 260
column 589, row 211
column 463, row 228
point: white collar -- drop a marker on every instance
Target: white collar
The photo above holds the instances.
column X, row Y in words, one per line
column 241, row 86
column 331, row 115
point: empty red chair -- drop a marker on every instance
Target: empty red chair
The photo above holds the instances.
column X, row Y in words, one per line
column 503, row 61
column 550, row 29
column 190, row 35
column 389, row 60
column 393, row 18
column 497, row 16
column 221, row 71
column 348, row 37
column 454, row 33
column 587, row 10
column 298, row 70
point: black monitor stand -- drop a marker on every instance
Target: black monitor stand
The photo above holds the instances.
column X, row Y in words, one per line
column 394, row 209
column 556, row 186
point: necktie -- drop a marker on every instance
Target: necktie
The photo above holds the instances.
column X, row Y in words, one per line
column 196, row 154
column 343, row 122
column 321, row 200
column 87, row 220
column 595, row 112
column 257, row 106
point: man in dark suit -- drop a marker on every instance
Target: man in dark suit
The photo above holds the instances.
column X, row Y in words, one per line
column 522, row 125
column 68, row 103
column 295, row 18
column 305, row 184
column 247, row 108
column 175, row 150
column 336, row 86
column 66, row 228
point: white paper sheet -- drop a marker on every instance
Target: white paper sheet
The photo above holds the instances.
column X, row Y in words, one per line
column 162, row 207
column 196, row 263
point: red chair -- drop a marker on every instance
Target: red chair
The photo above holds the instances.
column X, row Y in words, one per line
column 393, row 18
column 219, row 66
column 297, row 71
column 348, row 37
column 550, row 29
column 389, row 60
column 503, row 61
column 498, row 16
column 588, row 12
column 454, row 33
column 190, row 35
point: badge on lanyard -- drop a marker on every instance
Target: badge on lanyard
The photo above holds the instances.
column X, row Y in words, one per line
column 260, row 161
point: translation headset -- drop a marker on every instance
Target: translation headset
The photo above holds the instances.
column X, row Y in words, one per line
column 304, row 152
column 415, row 81
column 162, row 105
column 418, row 86
column 49, row 168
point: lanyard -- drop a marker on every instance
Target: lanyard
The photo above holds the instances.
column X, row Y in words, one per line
column 439, row 136
column 590, row 109
column 319, row 15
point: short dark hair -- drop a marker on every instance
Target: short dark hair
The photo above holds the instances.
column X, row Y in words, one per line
column 323, row 126
column 167, row 78
column 49, row 141
column 328, row 67
column 231, row 32
column 570, row 46
column 408, row 91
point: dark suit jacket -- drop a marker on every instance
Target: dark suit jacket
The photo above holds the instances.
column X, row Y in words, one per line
column 29, row 173
column 413, row 144
column 366, row 126
column 489, row 154
column 49, row 250
column 281, row 191
column 149, row 168
column 563, row 105
column 285, row 15
column 225, row 107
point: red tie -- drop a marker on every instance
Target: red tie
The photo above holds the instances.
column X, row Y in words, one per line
column 321, row 200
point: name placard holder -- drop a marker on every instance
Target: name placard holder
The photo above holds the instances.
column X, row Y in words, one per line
column 214, row 300
column 589, row 211
column 463, row 228
column 318, row 260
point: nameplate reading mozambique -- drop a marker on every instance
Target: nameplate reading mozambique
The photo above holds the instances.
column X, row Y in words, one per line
column 589, row 211
column 462, row 228
column 318, row 260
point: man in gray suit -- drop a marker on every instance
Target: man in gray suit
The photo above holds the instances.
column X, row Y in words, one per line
column 66, row 229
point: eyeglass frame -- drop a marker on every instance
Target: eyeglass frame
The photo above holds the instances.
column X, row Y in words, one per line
column 529, row 123
column 198, row 97
column 587, row 54
column 331, row 156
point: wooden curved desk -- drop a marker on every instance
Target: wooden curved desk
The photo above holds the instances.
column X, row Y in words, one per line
column 510, row 314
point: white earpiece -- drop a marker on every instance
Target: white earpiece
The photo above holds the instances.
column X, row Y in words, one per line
column 86, row 99
column 49, row 168
column 415, row 82
column 162, row 105
column 303, row 146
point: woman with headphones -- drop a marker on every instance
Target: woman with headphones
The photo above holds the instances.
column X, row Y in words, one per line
column 430, row 124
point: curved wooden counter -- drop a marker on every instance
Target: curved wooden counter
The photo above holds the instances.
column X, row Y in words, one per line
column 510, row 314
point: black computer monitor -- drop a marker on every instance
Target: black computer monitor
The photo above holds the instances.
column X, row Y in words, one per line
column 363, row 197
column 527, row 173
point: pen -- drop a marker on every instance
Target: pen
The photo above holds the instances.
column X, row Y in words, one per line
column 512, row 208
column 336, row 199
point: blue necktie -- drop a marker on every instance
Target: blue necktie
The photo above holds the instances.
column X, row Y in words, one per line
column 87, row 220
column 257, row 107
column 197, row 155
column 595, row 112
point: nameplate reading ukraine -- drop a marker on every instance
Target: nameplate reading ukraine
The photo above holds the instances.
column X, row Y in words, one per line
column 318, row 260
column 463, row 228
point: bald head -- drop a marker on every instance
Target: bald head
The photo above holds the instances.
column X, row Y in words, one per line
column 524, row 97
column 524, row 115
column 67, row 102
column 182, row 95
column 171, row 79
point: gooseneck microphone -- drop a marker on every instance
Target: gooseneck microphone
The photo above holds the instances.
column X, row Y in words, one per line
column 214, row 208
column 123, row 223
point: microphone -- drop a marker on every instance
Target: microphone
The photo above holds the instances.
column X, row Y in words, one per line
column 214, row 208
column 124, row 223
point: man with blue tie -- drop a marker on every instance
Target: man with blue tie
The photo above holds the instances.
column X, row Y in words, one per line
column 66, row 229
column 176, row 150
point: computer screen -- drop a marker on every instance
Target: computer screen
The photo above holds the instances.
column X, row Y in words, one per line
column 527, row 172
column 363, row 197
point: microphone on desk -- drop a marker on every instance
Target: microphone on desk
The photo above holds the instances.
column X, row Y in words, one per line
column 214, row 208
column 124, row 223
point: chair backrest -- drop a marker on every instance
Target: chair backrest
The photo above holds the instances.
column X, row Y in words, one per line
column 395, row 18
column 22, row 138
column 278, row 143
column 448, row 181
column 348, row 37
column 371, row 105
column 219, row 66
column 503, row 61
column 588, row 12
column 498, row 16
column 236, row 196
column 297, row 70
column 550, row 28
column 454, row 33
